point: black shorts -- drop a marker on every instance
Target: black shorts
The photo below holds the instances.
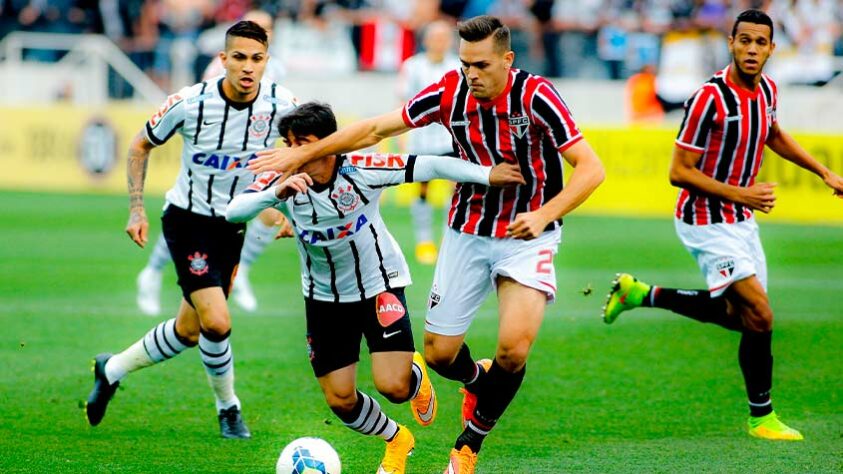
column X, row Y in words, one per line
column 334, row 329
column 206, row 250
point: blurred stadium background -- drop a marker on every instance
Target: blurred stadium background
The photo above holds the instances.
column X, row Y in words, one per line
column 78, row 78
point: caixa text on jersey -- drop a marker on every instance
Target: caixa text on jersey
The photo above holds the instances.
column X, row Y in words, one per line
column 222, row 162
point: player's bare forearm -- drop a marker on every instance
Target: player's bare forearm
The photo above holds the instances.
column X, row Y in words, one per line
column 136, row 165
column 356, row 136
column 685, row 174
column 587, row 175
column 788, row 148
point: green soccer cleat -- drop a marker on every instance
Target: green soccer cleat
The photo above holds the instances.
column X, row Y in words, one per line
column 627, row 293
column 770, row 427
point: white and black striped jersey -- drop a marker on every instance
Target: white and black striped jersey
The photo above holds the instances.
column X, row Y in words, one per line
column 418, row 72
column 220, row 137
column 346, row 252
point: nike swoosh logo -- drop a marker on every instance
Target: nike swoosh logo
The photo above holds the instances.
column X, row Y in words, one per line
column 428, row 414
column 387, row 335
column 205, row 122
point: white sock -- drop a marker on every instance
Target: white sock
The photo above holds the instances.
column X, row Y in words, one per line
column 372, row 421
column 219, row 365
column 157, row 345
column 160, row 255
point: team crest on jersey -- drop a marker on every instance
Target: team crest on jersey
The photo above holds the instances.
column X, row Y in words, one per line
column 198, row 263
column 346, row 198
column 260, row 126
column 519, row 125
column 725, row 266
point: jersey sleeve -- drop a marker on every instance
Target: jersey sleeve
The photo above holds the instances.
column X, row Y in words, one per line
column 381, row 171
column 247, row 205
column 263, row 182
column 700, row 110
column 168, row 120
column 425, row 107
column 552, row 115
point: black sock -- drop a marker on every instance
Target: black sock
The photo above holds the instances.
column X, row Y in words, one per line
column 462, row 369
column 695, row 304
column 498, row 388
column 755, row 356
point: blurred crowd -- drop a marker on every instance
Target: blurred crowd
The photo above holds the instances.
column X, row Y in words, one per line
column 610, row 39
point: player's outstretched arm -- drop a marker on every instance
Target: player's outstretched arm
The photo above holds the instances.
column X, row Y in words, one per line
column 247, row 205
column 427, row 168
column 785, row 146
column 136, row 165
column 685, row 174
column 356, row 136
column 587, row 176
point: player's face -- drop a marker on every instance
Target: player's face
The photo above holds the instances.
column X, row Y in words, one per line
column 244, row 60
column 751, row 47
column 294, row 141
column 485, row 67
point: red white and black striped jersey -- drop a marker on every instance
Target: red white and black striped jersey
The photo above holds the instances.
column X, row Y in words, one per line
column 527, row 123
column 729, row 125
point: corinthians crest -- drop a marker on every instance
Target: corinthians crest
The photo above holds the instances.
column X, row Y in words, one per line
column 519, row 125
column 198, row 263
column 259, row 126
column 345, row 198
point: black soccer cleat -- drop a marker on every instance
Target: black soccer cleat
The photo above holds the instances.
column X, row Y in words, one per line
column 102, row 391
column 232, row 425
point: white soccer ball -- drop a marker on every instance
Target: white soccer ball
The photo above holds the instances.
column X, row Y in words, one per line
column 308, row 456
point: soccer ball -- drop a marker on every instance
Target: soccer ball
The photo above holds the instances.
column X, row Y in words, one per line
column 308, row 456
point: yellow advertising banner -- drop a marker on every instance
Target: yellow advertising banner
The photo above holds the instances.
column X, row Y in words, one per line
column 74, row 149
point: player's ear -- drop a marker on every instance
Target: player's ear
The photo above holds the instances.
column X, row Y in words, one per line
column 509, row 59
column 222, row 56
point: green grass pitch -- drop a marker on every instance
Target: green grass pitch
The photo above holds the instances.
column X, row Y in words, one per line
column 652, row 393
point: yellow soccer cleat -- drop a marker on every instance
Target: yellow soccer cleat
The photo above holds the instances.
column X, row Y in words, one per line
column 426, row 253
column 626, row 293
column 424, row 405
column 770, row 427
column 462, row 461
column 469, row 399
column 397, row 450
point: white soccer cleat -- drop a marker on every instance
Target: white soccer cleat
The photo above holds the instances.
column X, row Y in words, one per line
column 241, row 291
column 149, row 291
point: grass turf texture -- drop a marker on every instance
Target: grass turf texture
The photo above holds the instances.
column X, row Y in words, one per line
column 654, row 392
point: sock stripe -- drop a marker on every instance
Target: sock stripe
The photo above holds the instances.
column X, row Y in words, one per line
column 208, row 353
column 473, row 427
column 768, row 402
column 368, row 405
column 157, row 344
column 166, row 342
column 217, row 366
column 415, row 381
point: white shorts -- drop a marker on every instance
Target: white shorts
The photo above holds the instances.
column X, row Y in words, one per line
column 468, row 268
column 725, row 253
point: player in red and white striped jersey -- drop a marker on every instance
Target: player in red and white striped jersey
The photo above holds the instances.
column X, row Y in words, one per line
column 498, row 238
column 727, row 123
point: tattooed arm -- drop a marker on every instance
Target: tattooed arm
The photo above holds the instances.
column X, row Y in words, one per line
column 137, row 161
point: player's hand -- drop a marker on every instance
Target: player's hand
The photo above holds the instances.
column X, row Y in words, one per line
column 759, row 196
column 298, row 183
column 285, row 227
column 506, row 174
column 138, row 227
column 527, row 225
column 835, row 182
column 284, row 160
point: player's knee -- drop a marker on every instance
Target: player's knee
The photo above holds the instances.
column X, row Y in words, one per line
column 341, row 401
column 188, row 334
column 511, row 357
column 216, row 327
column 758, row 316
column 437, row 360
column 394, row 391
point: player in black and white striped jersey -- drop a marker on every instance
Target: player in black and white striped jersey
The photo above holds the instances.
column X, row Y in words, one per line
column 260, row 231
column 222, row 123
column 354, row 274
